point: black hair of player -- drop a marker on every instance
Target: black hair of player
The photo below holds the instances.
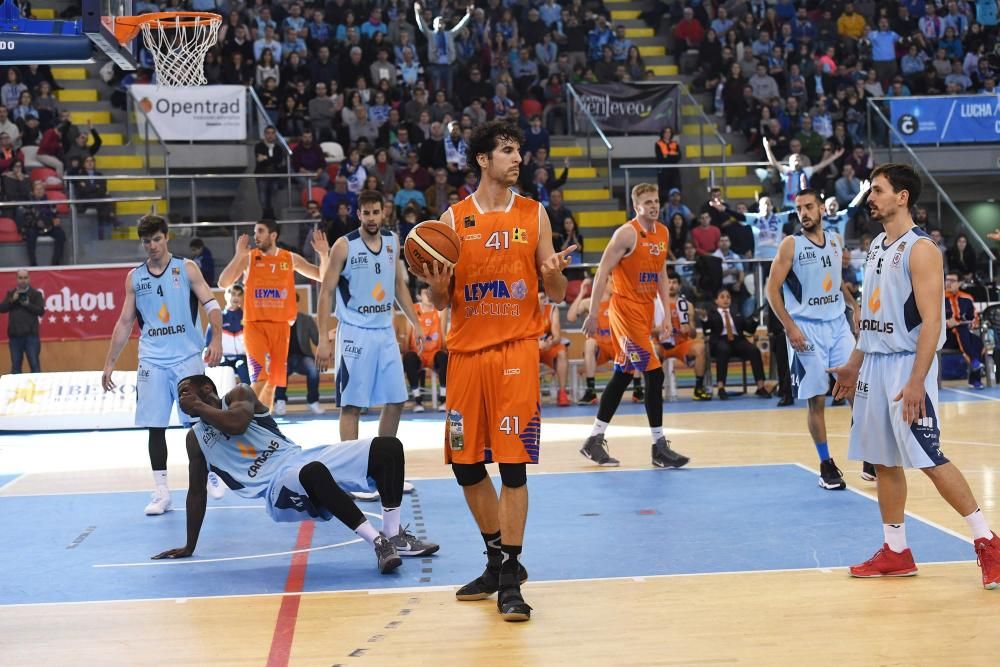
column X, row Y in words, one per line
column 271, row 224
column 805, row 192
column 486, row 137
column 150, row 224
column 901, row 177
column 200, row 381
column 370, row 197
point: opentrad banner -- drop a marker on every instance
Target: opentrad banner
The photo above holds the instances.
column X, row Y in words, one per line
column 621, row 108
column 71, row 401
column 946, row 120
column 194, row 113
column 81, row 303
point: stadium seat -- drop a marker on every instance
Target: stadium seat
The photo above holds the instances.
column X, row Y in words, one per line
column 572, row 290
column 58, row 196
column 47, row 176
column 31, row 157
column 8, row 231
column 331, row 170
column 315, row 194
column 333, row 151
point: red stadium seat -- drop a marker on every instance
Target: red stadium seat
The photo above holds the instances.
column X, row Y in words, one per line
column 316, row 194
column 8, row 231
column 47, row 176
column 57, row 196
column 531, row 107
column 572, row 290
column 332, row 169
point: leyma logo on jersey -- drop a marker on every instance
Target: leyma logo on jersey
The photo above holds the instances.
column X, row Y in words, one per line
column 494, row 298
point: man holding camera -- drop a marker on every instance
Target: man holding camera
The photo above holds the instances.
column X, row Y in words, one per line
column 24, row 305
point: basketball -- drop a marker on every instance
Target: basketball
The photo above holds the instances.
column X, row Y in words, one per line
column 430, row 242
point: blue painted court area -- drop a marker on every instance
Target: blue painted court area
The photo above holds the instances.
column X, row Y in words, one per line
column 581, row 526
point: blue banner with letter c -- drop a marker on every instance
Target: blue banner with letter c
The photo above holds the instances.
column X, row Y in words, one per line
column 946, row 120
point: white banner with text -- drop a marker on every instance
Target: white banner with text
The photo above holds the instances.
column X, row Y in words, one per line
column 193, row 113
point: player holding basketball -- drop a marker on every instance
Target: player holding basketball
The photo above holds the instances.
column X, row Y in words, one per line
column 598, row 348
column 552, row 352
column 493, row 405
column 163, row 294
column 237, row 439
column 678, row 337
column 431, row 353
column 893, row 374
column 636, row 261
column 269, row 306
column 806, row 294
column 366, row 269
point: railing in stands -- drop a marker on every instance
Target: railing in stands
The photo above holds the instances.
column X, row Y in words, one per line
column 656, row 166
column 705, row 120
column 259, row 122
column 873, row 108
column 142, row 132
column 573, row 101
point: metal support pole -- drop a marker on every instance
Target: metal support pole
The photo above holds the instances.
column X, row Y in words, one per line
column 758, row 277
column 611, row 186
column 194, row 200
column 628, row 189
column 74, row 228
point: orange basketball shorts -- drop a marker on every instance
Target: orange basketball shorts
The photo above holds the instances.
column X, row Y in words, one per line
column 683, row 350
column 605, row 350
column 631, row 331
column 494, row 411
column 548, row 356
column 267, row 351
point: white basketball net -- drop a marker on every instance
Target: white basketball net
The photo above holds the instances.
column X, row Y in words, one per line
column 179, row 50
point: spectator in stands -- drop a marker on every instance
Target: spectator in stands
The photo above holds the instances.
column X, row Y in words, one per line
column 421, row 177
column 322, row 112
column 340, row 194
column 11, row 91
column 847, row 186
column 9, row 128
column 79, row 151
column 309, row 162
column 409, row 193
column 570, row 236
column 883, row 45
column 763, row 86
column 961, row 321
column 961, row 258
column 432, row 151
column 437, row 194
column 668, row 152
column 383, row 172
column 727, row 339
column 24, row 306
column 688, row 34
column 93, row 187
column 678, row 229
column 270, row 159
column 50, row 150
column 202, row 256
column 675, row 206
column 342, row 222
column 362, row 127
column 556, row 209
column 41, row 220
column 705, row 235
column 732, row 268
column 9, row 153
column 303, row 336
column 441, row 47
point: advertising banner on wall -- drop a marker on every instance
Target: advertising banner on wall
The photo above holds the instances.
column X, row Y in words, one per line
column 193, row 113
column 621, row 108
column 81, row 303
column 71, row 401
column 946, row 120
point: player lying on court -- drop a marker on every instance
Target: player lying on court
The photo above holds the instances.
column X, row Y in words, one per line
column 238, row 440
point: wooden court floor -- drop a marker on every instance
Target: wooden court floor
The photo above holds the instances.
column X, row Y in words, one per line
column 812, row 616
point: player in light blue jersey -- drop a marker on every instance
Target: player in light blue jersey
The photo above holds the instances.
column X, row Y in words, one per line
column 237, row 439
column 806, row 293
column 893, row 374
column 163, row 294
column 768, row 228
column 368, row 275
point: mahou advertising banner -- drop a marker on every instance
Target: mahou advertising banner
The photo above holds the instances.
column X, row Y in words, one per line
column 193, row 113
column 81, row 303
column 621, row 108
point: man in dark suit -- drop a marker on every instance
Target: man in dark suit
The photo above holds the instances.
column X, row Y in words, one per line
column 727, row 338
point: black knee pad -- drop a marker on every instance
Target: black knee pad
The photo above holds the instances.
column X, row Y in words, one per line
column 314, row 474
column 469, row 474
column 514, row 475
column 387, row 445
column 654, row 380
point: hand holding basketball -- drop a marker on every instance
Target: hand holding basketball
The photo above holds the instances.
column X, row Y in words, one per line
column 429, row 244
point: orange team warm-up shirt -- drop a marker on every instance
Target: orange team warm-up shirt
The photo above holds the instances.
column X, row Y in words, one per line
column 603, row 334
column 494, row 299
column 636, row 277
column 430, row 322
column 269, row 293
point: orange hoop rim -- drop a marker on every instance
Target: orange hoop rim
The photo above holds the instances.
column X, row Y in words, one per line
column 126, row 28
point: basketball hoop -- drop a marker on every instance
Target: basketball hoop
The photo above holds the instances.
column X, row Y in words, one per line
column 177, row 40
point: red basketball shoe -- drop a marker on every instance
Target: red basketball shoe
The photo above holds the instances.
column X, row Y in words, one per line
column 886, row 563
column 988, row 557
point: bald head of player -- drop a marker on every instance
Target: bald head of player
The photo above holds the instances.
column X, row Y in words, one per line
column 265, row 234
column 370, row 212
column 895, row 188
column 495, row 150
column 809, row 209
column 646, row 202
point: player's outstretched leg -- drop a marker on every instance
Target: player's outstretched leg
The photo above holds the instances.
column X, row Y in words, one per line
column 830, row 476
column 386, row 465
column 595, row 447
column 323, row 491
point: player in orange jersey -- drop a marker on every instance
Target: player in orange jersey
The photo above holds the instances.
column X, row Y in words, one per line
column 636, row 261
column 269, row 307
column 433, row 354
column 678, row 337
column 493, row 403
column 597, row 349
column 551, row 350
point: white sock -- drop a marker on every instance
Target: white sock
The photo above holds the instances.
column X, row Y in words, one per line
column 657, row 432
column 367, row 532
column 416, row 392
column 442, row 391
column 390, row 521
column 977, row 523
column 160, row 478
column 599, row 428
column 895, row 536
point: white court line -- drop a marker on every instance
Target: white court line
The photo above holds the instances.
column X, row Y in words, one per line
column 409, row 590
column 912, row 515
column 16, row 477
column 981, row 397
